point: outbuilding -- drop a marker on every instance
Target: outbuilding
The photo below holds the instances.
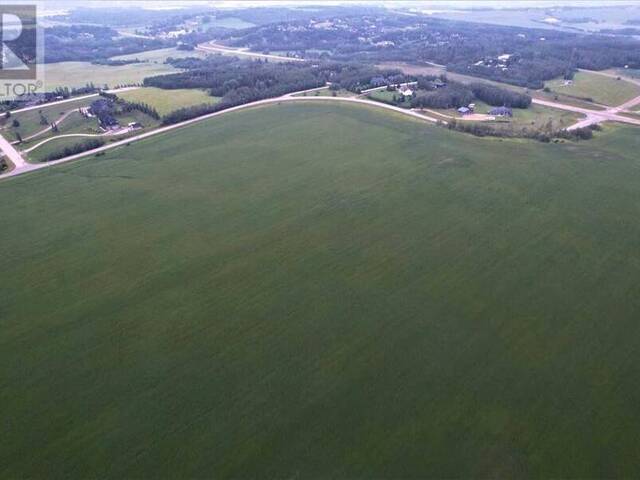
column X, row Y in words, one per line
column 501, row 112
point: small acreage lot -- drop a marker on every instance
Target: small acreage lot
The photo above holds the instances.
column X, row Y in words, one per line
column 166, row 101
column 324, row 291
column 599, row 88
column 327, row 92
column 37, row 119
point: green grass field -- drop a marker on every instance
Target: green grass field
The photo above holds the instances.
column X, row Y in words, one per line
column 324, row 291
column 537, row 117
column 387, row 97
column 166, row 101
column 602, row 89
column 327, row 92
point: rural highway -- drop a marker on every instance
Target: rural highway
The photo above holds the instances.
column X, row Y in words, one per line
column 22, row 166
column 12, row 154
column 211, row 47
column 592, row 116
column 72, row 99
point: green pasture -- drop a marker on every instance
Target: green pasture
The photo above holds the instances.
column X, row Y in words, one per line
column 166, row 101
column 602, row 89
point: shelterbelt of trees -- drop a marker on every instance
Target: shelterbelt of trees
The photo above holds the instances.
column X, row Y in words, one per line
column 456, row 94
column 240, row 81
column 534, row 55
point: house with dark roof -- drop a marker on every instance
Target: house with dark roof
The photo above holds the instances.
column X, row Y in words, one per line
column 501, row 112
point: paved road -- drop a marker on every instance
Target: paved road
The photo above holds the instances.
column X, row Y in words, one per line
column 45, row 130
column 629, row 103
column 22, row 166
column 12, row 154
column 592, row 116
column 216, row 48
column 72, row 99
column 374, row 89
column 47, row 140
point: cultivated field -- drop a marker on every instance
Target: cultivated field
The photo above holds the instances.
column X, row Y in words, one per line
column 600, row 88
column 324, row 291
column 166, row 101
column 78, row 74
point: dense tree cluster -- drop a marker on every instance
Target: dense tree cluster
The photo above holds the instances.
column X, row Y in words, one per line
column 117, row 106
column 497, row 96
column 487, row 130
column 74, row 149
column 110, row 62
column 239, row 81
column 534, row 55
column 88, row 42
column 222, row 75
column 453, row 96
column 104, row 110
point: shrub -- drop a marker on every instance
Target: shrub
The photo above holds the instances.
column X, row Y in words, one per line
column 75, row 149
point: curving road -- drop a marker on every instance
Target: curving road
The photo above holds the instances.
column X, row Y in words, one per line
column 212, row 47
column 66, row 135
column 72, row 99
column 45, row 130
column 23, row 167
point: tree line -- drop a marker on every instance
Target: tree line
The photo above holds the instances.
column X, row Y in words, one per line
column 238, row 81
column 74, row 149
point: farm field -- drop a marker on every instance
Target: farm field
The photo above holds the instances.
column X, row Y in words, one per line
column 166, row 101
column 602, row 89
column 78, row 74
column 324, row 291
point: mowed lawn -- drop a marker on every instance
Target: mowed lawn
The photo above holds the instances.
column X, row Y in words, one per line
column 324, row 291
column 166, row 101
column 600, row 88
